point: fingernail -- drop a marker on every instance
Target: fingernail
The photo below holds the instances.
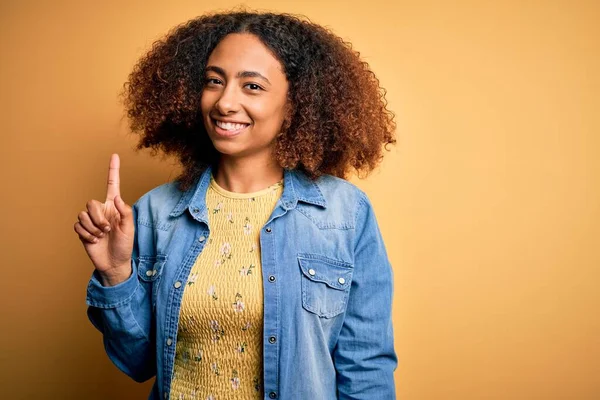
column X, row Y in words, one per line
column 107, row 228
column 95, row 240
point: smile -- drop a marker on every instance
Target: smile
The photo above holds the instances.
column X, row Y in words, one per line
column 229, row 128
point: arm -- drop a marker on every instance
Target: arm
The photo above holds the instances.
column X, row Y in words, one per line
column 123, row 314
column 364, row 356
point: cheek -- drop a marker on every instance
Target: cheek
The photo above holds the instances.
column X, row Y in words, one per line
column 258, row 112
column 206, row 102
column 267, row 113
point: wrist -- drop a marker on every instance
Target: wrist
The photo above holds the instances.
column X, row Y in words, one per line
column 115, row 277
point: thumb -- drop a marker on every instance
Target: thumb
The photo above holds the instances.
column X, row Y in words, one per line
column 124, row 210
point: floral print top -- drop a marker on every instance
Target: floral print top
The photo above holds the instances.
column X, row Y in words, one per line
column 219, row 338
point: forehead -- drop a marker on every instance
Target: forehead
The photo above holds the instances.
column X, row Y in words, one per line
column 244, row 52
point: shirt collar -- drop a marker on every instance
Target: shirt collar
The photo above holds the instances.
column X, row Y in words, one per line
column 296, row 187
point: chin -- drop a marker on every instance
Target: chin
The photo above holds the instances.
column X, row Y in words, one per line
column 228, row 149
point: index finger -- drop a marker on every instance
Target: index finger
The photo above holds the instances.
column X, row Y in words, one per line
column 113, row 188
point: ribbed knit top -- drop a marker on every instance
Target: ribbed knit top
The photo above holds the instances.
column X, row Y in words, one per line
column 219, row 339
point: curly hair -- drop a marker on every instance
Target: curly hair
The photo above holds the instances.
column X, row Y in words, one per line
column 338, row 121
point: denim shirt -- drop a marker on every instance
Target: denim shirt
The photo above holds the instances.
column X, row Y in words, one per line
column 327, row 282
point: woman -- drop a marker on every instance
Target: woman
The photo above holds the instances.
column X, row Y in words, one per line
column 259, row 272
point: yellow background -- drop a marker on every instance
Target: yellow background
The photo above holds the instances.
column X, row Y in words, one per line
column 489, row 204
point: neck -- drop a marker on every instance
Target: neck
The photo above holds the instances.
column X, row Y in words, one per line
column 242, row 175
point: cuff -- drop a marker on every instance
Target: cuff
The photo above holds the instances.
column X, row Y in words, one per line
column 111, row 296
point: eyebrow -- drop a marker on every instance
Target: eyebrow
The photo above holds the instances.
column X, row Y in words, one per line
column 241, row 74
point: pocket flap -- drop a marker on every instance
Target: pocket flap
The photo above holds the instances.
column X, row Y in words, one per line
column 150, row 267
column 334, row 273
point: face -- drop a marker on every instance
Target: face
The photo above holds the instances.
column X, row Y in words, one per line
column 244, row 97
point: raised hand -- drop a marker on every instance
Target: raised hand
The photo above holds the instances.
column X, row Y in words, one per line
column 107, row 231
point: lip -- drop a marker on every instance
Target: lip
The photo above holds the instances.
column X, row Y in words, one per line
column 225, row 133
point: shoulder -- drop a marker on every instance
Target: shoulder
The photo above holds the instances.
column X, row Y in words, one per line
column 157, row 203
column 342, row 202
column 165, row 193
column 339, row 192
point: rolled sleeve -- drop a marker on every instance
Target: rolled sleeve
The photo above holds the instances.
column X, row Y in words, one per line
column 100, row 296
column 122, row 313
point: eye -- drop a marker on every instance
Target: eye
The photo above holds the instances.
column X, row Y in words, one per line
column 212, row 81
column 253, row 86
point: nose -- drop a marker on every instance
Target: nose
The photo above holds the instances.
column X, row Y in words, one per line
column 228, row 101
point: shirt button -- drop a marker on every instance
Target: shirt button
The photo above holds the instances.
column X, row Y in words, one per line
column 177, row 285
column 272, row 339
column 202, row 238
column 154, row 272
column 311, row 272
column 341, row 281
column 166, row 395
column 196, row 210
column 169, row 341
column 272, row 395
column 149, row 272
column 268, row 230
column 272, row 278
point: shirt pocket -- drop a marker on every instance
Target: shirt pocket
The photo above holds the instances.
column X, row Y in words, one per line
column 149, row 272
column 325, row 284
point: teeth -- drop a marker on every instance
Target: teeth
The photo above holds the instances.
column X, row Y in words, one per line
column 229, row 126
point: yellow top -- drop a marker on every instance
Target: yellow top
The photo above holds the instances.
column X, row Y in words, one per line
column 219, row 338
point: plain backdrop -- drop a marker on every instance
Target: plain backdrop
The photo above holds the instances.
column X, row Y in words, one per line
column 489, row 204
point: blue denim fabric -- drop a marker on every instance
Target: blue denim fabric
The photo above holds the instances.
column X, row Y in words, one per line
column 327, row 291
